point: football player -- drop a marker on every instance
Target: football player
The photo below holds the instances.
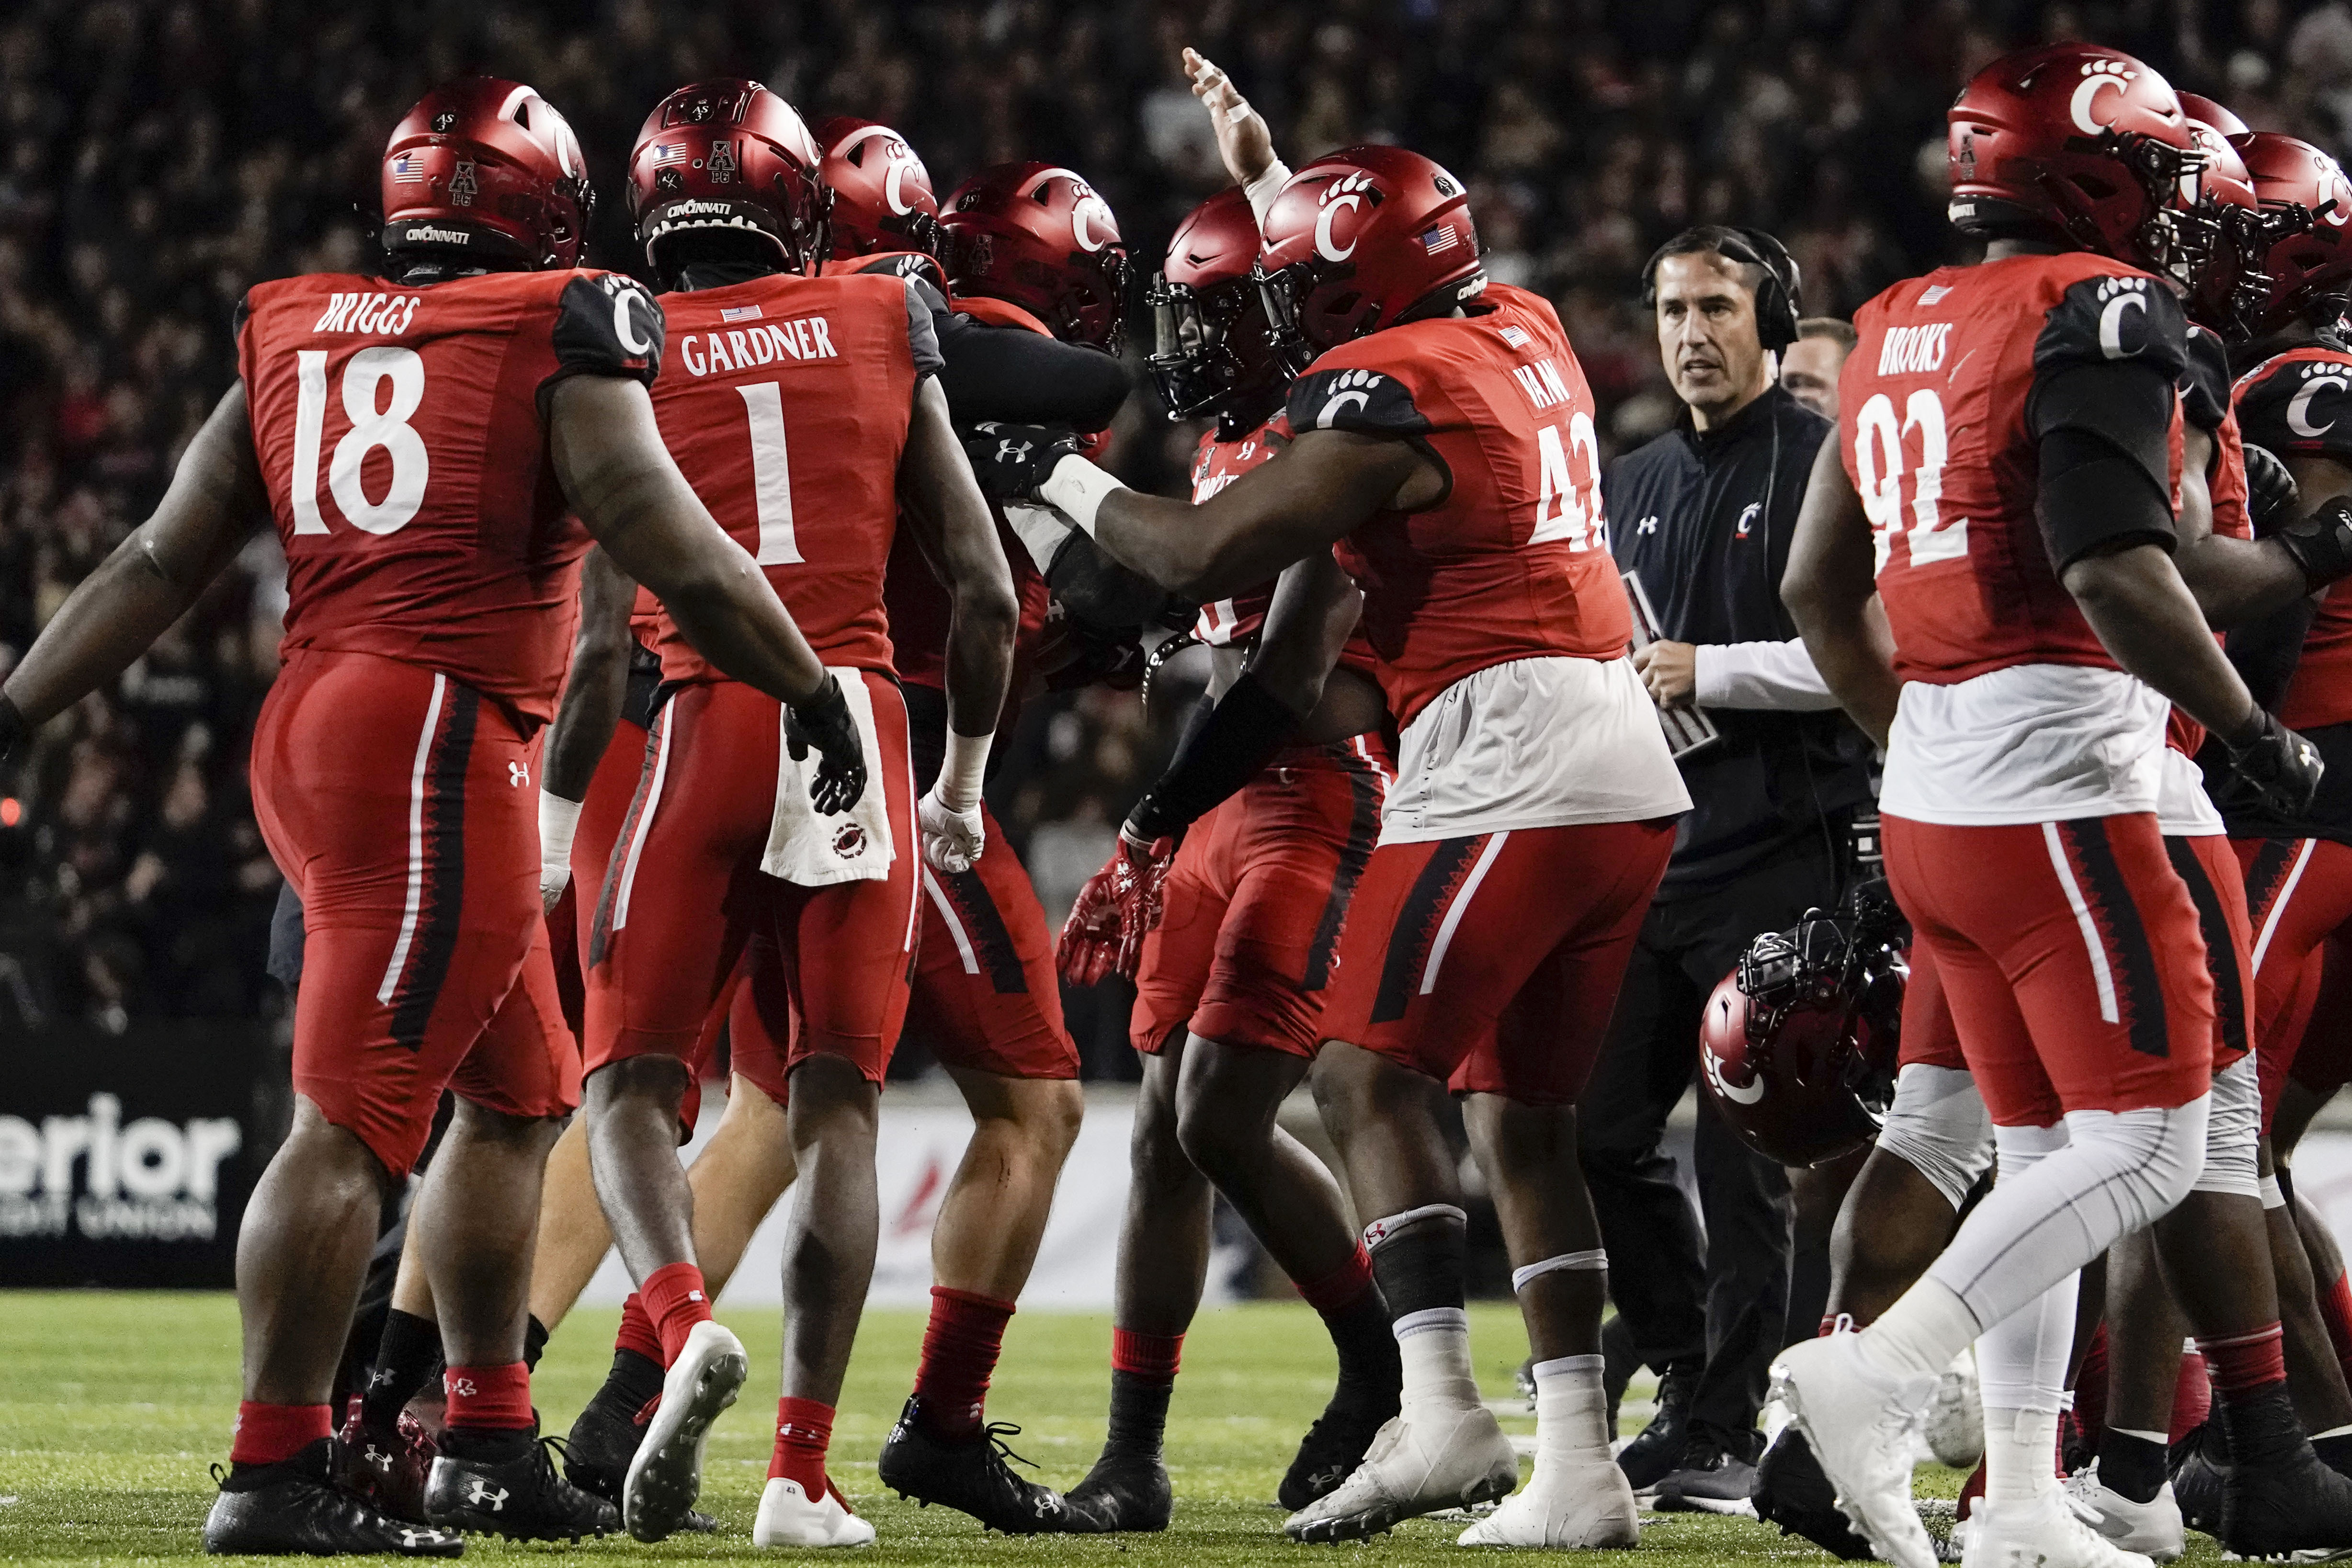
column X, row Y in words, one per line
column 1227, row 914
column 804, row 409
column 2023, row 788
column 415, row 437
column 1445, row 460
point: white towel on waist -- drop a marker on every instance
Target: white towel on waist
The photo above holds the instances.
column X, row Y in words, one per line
column 853, row 846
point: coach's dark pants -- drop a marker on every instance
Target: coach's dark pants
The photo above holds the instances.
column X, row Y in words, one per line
column 1713, row 1305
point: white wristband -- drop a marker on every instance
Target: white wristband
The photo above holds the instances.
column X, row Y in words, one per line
column 1077, row 488
column 963, row 772
column 1041, row 529
column 559, row 820
column 1262, row 191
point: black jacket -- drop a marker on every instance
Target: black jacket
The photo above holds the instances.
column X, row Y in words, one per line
column 1705, row 521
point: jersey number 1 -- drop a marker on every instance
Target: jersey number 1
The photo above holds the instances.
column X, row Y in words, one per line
column 389, row 428
column 772, row 474
column 1878, row 466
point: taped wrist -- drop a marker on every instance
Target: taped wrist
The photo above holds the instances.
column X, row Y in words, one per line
column 558, row 821
column 1078, row 488
column 1260, row 193
column 1249, row 726
column 2320, row 542
column 963, row 772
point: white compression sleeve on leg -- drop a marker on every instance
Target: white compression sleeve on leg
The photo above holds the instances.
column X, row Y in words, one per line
column 2022, row 1360
column 2231, row 1132
column 1938, row 1126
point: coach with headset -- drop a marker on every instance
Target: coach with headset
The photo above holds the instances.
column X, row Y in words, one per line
column 1701, row 518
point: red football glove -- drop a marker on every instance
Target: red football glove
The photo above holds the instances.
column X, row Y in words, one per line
column 1119, row 903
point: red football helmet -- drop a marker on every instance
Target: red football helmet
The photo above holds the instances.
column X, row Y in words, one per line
column 882, row 196
column 1796, row 1048
column 728, row 155
column 2079, row 142
column 486, row 167
column 2233, row 231
column 2312, row 261
column 1038, row 236
column 1213, row 339
column 1358, row 239
column 2205, row 111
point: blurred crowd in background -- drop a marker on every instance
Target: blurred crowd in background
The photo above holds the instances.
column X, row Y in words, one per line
column 156, row 157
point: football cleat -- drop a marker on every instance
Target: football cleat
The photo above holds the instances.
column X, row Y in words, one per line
column 1657, row 1448
column 1334, row 1445
column 516, row 1494
column 1955, row 1426
column 970, row 1476
column 1421, row 1462
column 665, row 1475
column 787, row 1518
column 605, row 1438
column 1708, row 1481
column 385, row 1470
column 292, row 1509
column 2043, row 1534
column 1578, row 1508
column 2152, row 1529
column 2297, row 1505
column 1791, row 1492
column 1862, row 1424
column 1124, row 1491
column 2201, row 1471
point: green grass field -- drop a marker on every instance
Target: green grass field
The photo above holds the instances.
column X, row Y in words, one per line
column 113, row 1406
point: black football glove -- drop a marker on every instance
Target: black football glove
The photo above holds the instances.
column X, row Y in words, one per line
column 2271, row 767
column 1014, row 461
column 824, row 721
column 2270, row 489
column 2320, row 543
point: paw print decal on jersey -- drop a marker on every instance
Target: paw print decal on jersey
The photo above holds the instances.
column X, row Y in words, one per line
column 1370, row 401
column 2119, row 298
column 1349, row 387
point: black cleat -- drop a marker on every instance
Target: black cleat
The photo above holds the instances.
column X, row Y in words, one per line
column 2200, row 1473
column 1335, row 1446
column 384, row 1469
column 1792, row 1492
column 1708, row 1481
column 2280, row 1498
column 969, row 1476
column 1125, row 1490
column 604, row 1438
column 273, row 1511
column 507, row 1486
column 1658, row 1447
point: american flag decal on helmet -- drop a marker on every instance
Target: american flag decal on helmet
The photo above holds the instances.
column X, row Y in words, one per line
column 408, row 168
column 668, row 152
column 1442, row 238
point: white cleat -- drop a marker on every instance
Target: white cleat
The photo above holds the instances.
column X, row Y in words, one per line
column 787, row 1518
column 1862, row 1424
column 666, row 1477
column 2153, row 1529
column 1418, row 1463
column 1956, row 1415
column 2044, row 1533
column 1580, row 1508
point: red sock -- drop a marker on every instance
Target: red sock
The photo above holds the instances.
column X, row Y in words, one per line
column 676, row 1301
column 1342, row 1288
column 1151, row 1357
column 637, row 1331
column 804, row 1431
column 270, row 1434
column 2246, row 1364
column 959, row 1349
column 490, row 1398
column 2336, row 1311
column 2192, row 1396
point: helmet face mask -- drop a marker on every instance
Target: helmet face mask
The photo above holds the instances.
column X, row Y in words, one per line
column 2307, row 262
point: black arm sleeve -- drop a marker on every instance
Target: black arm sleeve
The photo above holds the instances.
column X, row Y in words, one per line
column 1225, row 751
column 2265, row 654
column 2106, row 466
column 1022, row 377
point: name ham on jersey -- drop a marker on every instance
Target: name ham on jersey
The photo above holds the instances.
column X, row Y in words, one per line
column 402, row 435
column 1936, row 433
column 1514, row 562
column 2299, row 404
column 785, row 402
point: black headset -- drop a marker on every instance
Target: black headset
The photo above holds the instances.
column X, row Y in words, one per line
column 1778, row 295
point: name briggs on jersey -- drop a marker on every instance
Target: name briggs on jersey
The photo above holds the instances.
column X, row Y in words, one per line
column 384, row 314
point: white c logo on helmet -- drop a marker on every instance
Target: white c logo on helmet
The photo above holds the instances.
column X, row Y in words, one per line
column 1090, row 212
column 1324, row 245
column 2086, row 94
column 899, row 155
column 1723, row 1087
column 2298, row 412
column 890, row 188
column 2111, row 324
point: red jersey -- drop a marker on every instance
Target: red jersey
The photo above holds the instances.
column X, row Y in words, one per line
column 2299, row 404
column 1934, row 428
column 402, row 436
column 1231, row 623
column 2205, row 403
column 785, row 401
column 1514, row 562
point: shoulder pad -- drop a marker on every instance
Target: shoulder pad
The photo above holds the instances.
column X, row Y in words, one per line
column 2113, row 316
column 607, row 324
column 1369, row 401
column 2300, row 405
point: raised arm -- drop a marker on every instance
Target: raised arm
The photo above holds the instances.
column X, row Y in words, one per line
column 215, row 499
column 952, row 524
column 609, row 458
column 1829, row 587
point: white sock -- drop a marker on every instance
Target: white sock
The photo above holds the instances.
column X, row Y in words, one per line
column 1572, row 1412
column 2022, row 1369
column 1434, row 1346
column 1919, row 1335
column 2160, row 1437
column 2021, row 1455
